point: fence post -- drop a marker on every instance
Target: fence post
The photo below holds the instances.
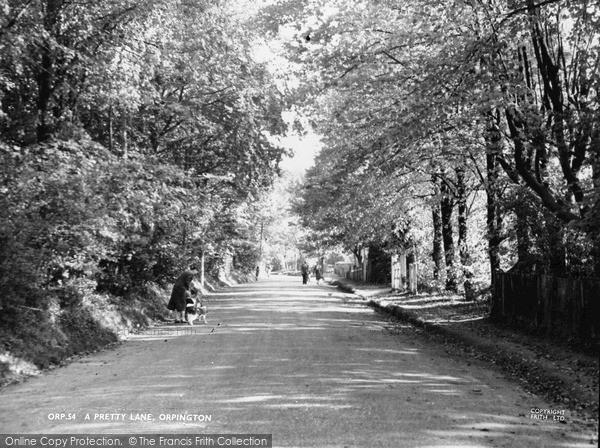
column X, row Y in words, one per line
column 539, row 304
column 397, row 281
column 412, row 278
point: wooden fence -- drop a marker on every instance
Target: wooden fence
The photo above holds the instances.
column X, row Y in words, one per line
column 561, row 307
column 356, row 273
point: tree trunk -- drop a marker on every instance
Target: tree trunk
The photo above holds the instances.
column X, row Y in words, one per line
column 463, row 247
column 45, row 79
column 447, row 206
column 523, row 235
column 202, row 270
column 494, row 221
column 437, row 254
column 593, row 215
column 357, row 251
column 124, row 138
column 44, row 94
column 111, row 137
column 557, row 256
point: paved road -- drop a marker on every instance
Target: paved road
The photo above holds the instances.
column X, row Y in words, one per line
column 305, row 363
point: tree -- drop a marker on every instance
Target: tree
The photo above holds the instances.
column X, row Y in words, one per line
column 195, row 114
column 497, row 85
column 51, row 48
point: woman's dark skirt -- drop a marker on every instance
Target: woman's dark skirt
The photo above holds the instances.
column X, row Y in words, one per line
column 177, row 302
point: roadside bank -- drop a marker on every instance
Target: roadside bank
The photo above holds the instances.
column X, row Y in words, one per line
column 566, row 377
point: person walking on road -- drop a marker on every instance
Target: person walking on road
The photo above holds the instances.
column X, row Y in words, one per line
column 304, row 269
column 318, row 274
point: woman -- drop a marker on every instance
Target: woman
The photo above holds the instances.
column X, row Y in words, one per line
column 178, row 295
column 304, row 269
column 318, row 274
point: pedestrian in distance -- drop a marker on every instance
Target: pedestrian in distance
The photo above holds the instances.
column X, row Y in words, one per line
column 181, row 290
column 318, row 274
column 305, row 270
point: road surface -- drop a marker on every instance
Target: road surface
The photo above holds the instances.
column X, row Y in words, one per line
column 308, row 364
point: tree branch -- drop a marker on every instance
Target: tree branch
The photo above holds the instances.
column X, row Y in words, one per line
column 393, row 58
column 514, row 12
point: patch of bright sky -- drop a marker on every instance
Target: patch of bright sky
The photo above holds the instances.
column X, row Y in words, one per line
column 270, row 51
column 302, row 147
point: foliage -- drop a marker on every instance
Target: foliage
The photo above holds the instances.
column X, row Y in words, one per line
column 172, row 91
column 426, row 104
column 137, row 137
column 134, row 138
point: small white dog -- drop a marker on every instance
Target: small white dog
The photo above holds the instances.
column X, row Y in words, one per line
column 195, row 309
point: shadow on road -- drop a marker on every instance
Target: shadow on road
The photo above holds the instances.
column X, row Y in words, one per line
column 306, row 363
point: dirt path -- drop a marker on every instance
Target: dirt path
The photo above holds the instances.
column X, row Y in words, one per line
column 304, row 363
